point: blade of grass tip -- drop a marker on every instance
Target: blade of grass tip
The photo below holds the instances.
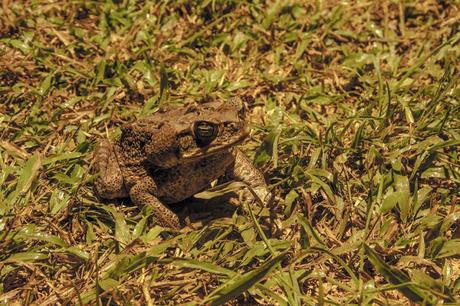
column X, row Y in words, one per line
column 241, row 283
column 320, row 291
column 122, row 233
column 45, row 85
column 28, row 174
column 31, row 232
column 30, row 170
column 25, row 257
column 61, row 157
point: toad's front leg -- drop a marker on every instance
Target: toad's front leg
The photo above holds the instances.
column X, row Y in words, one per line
column 243, row 170
column 142, row 194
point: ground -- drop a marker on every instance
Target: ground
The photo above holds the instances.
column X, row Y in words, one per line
column 354, row 109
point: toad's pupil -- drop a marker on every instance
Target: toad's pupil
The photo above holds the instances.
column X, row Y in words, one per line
column 205, row 130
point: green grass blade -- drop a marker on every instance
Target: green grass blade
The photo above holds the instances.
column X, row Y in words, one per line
column 240, row 283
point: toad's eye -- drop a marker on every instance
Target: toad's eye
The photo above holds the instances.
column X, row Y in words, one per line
column 205, row 132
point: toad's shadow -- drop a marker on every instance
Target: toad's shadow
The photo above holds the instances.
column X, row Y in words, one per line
column 201, row 211
column 215, row 203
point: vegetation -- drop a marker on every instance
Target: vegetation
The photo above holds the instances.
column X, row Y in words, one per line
column 355, row 115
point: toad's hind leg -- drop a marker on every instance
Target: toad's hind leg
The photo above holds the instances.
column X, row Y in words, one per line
column 142, row 194
column 109, row 182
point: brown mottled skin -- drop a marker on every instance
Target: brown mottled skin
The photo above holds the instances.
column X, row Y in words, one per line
column 175, row 154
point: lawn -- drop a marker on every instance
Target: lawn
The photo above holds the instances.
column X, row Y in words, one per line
column 354, row 109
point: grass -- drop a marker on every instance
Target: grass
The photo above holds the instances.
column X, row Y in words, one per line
column 355, row 115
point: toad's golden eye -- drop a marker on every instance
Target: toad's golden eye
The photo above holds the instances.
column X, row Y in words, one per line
column 205, row 132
